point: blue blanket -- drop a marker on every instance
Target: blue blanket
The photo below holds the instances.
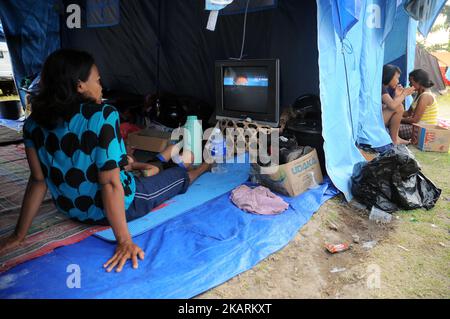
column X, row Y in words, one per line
column 185, row 256
column 206, row 187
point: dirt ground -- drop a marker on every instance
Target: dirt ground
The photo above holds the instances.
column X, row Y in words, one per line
column 410, row 258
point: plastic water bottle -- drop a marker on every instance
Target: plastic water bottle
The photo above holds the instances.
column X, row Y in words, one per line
column 194, row 142
column 218, row 151
column 314, row 183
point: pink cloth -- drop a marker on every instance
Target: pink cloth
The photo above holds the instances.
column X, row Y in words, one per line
column 259, row 200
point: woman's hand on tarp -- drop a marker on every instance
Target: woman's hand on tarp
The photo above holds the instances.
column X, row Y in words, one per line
column 124, row 251
column 10, row 242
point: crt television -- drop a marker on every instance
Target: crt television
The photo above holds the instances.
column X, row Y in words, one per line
column 248, row 89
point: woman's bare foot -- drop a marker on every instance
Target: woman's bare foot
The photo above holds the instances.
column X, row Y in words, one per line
column 167, row 153
column 171, row 153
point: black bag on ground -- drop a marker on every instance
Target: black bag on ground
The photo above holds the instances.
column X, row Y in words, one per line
column 393, row 181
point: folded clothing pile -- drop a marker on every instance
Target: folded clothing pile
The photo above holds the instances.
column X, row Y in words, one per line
column 258, row 200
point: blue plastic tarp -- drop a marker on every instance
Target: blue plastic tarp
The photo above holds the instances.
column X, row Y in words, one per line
column 207, row 187
column 184, row 257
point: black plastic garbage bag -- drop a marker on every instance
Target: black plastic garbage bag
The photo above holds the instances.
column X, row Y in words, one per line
column 393, row 181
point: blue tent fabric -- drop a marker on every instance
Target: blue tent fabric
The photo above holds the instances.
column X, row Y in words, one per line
column 384, row 33
column 372, row 53
column 32, row 32
column 239, row 6
column 210, row 5
column 426, row 24
column 184, row 257
column 339, row 145
column 396, row 42
column 102, row 13
column 345, row 15
column 390, row 13
column 410, row 55
column 400, row 46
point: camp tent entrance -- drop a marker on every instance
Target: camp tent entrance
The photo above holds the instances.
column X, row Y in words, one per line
column 332, row 48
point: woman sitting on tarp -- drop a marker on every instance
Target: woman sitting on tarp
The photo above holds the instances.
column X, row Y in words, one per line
column 74, row 148
column 393, row 95
column 424, row 108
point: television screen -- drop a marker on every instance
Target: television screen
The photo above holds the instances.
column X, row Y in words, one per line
column 245, row 89
column 248, row 89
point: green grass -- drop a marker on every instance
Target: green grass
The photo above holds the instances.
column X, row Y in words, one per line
column 424, row 270
column 444, row 105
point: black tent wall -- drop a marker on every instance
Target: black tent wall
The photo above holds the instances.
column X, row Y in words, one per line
column 126, row 53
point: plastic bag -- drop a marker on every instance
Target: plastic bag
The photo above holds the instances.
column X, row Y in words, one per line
column 393, row 181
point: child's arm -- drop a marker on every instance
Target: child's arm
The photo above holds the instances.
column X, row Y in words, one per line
column 408, row 113
column 397, row 102
column 422, row 104
column 32, row 200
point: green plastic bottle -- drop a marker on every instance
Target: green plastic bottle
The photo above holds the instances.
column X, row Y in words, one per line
column 194, row 142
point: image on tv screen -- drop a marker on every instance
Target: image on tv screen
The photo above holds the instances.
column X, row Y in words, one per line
column 246, row 89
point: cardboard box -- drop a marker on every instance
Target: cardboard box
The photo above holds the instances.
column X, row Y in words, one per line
column 149, row 140
column 292, row 178
column 431, row 138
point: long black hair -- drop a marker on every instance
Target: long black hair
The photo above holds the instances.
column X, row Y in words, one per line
column 58, row 97
column 389, row 71
column 422, row 77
